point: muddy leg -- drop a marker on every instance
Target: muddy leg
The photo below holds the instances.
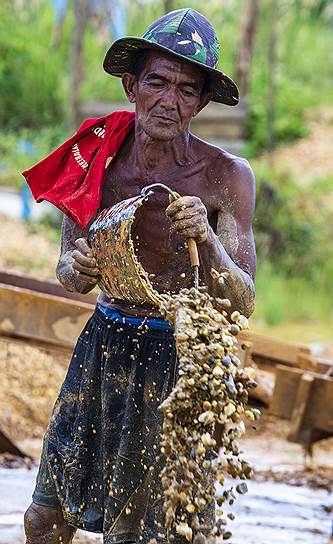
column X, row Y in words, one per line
column 46, row 525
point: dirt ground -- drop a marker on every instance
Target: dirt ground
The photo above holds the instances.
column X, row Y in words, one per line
column 26, row 251
column 30, row 380
column 285, row 504
column 281, row 461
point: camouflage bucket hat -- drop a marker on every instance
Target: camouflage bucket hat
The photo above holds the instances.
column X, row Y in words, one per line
column 186, row 34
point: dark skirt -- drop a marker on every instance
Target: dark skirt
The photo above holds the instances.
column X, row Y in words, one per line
column 100, row 458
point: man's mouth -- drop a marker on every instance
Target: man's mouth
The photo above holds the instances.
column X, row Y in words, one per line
column 166, row 119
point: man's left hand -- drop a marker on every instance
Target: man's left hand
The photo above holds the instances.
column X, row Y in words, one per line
column 189, row 216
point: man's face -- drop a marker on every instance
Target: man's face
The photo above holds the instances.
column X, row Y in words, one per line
column 168, row 94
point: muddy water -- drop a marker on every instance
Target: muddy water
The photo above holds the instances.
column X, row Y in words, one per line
column 281, row 514
column 269, row 514
column 16, row 486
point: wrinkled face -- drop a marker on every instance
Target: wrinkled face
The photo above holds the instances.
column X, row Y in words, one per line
column 168, row 93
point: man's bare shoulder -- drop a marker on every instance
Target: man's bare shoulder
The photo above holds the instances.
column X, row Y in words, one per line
column 225, row 169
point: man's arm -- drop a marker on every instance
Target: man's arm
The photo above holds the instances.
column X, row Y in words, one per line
column 231, row 249
column 76, row 269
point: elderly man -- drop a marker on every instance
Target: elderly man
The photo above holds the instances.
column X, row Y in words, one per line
column 100, row 465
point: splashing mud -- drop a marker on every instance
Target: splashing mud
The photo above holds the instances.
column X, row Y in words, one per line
column 122, row 275
column 211, row 391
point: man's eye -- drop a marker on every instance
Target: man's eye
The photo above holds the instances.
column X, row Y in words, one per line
column 188, row 93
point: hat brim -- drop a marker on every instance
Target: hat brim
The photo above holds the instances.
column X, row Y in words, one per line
column 120, row 58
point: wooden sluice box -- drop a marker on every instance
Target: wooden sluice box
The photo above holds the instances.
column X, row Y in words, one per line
column 306, row 399
column 303, row 389
column 43, row 313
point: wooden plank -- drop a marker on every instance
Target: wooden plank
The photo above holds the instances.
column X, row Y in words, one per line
column 287, row 382
column 312, row 418
column 8, row 446
column 306, row 398
column 306, row 361
column 41, row 317
column 41, row 344
column 43, row 286
column 320, row 409
column 268, row 351
column 298, row 415
column 324, row 366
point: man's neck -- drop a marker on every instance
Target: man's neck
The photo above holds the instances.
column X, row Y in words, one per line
column 159, row 155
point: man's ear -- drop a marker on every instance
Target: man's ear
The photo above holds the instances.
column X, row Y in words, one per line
column 129, row 82
column 204, row 100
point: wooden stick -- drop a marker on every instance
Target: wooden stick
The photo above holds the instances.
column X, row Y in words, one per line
column 191, row 243
column 193, row 251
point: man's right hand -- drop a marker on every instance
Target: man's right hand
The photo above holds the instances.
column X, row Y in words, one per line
column 84, row 262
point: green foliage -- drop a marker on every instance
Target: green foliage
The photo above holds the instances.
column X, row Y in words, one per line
column 284, row 299
column 48, row 228
column 293, row 233
column 32, row 85
column 16, row 156
column 284, row 230
column 34, row 74
column 322, row 186
column 302, row 74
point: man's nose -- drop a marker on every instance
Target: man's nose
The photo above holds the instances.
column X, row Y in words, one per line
column 169, row 99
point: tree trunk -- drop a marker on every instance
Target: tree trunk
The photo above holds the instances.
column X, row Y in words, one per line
column 319, row 7
column 76, row 64
column 168, row 5
column 248, row 29
column 272, row 60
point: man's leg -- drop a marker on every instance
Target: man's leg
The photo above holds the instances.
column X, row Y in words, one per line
column 46, row 525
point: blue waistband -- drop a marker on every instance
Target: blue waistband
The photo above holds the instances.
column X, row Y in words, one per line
column 150, row 322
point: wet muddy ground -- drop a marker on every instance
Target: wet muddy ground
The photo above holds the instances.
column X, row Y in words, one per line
column 272, row 512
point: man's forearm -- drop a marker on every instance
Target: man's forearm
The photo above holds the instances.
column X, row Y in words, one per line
column 238, row 286
column 69, row 278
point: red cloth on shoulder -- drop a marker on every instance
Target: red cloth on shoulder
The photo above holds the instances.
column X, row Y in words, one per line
column 72, row 176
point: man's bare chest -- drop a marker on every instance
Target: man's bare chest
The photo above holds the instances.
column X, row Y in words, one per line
column 120, row 184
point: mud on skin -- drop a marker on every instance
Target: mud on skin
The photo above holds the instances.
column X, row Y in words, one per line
column 218, row 213
column 46, row 525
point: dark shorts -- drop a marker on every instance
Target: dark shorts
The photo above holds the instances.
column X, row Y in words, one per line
column 100, row 457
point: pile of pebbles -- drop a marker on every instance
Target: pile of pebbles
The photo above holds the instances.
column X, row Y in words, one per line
column 212, row 390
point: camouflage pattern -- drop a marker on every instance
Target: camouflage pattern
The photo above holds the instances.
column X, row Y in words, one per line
column 184, row 33
column 188, row 33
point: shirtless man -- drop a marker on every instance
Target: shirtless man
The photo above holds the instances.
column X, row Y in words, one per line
column 168, row 91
